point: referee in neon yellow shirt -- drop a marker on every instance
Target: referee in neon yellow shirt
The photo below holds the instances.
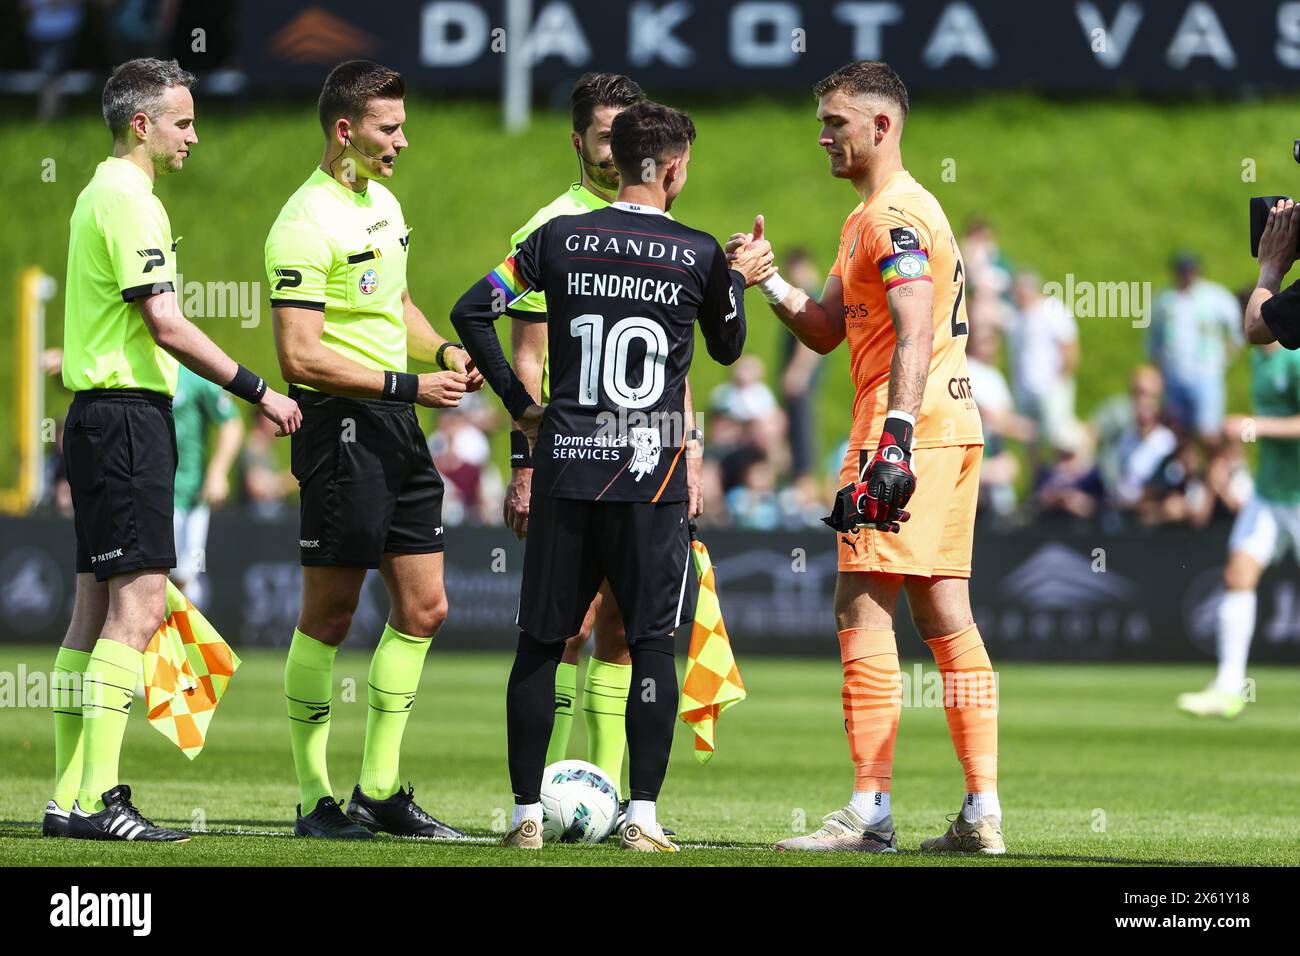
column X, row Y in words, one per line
column 124, row 335
column 370, row 495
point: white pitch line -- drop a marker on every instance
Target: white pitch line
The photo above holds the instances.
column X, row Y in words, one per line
column 473, row 840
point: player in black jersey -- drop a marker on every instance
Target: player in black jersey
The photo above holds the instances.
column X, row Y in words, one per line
column 624, row 288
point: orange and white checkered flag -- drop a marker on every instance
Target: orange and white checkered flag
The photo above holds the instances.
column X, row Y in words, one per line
column 187, row 667
column 712, row 682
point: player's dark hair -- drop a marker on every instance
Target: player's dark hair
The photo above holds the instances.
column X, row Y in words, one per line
column 137, row 86
column 866, row 78
column 351, row 86
column 648, row 130
column 594, row 90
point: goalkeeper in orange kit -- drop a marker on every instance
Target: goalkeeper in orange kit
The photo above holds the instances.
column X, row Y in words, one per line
column 905, row 516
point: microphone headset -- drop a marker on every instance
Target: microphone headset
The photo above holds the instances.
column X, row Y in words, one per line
column 583, row 160
column 386, row 160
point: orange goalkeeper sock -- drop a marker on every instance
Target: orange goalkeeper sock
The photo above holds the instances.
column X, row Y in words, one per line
column 873, row 702
column 970, row 703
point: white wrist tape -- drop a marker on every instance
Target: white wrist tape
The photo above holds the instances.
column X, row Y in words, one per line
column 896, row 413
column 774, row 288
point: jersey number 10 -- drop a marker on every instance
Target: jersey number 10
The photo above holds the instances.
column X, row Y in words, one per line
column 612, row 352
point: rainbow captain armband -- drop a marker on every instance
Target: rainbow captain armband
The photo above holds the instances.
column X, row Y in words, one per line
column 507, row 280
column 907, row 266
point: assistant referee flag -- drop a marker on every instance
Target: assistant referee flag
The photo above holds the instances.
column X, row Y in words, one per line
column 187, row 668
column 712, row 682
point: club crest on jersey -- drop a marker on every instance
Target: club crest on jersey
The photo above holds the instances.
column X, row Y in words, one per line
column 368, row 282
column 645, row 452
column 904, row 239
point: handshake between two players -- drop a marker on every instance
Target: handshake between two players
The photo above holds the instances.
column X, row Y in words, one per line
column 885, row 484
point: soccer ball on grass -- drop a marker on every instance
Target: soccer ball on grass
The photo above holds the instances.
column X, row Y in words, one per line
column 579, row 803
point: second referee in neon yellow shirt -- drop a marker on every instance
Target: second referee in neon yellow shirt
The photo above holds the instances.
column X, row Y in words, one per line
column 371, row 496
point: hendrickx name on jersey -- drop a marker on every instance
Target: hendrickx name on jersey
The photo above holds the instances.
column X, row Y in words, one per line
column 624, row 287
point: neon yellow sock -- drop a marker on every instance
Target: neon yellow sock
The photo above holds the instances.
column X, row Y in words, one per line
column 394, row 677
column 566, row 689
column 107, row 691
column 604, row 702
column 65, row 700
column 308, row 690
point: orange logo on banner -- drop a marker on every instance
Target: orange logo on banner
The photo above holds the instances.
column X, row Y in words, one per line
column 318, row 36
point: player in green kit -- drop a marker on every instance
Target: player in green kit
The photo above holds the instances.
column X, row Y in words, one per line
column 596, row 99
column 370, row 494
column 1267, row 527
column 202, row 479
column 124, row 337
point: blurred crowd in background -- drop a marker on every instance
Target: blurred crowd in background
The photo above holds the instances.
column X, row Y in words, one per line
column 54, row 37
column 1164, row 452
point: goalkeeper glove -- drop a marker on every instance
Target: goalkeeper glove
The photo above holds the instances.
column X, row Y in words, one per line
column 880, row 497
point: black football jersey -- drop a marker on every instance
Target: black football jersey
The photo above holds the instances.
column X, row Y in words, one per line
column 624, row 288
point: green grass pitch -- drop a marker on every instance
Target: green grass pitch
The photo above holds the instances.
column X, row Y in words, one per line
column 1096, row 768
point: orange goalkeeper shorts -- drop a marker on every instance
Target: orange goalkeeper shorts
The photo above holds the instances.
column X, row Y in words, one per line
column 937, row 541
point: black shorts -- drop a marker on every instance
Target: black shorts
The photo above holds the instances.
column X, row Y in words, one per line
column 643, row 549
column 119, row 449
column 368, row 484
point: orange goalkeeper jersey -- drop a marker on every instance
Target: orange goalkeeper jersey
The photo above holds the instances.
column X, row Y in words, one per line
column 901, row 235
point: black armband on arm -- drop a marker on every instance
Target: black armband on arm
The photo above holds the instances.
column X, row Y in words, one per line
column 401, row 386
column 247, row 385
column 520, row 456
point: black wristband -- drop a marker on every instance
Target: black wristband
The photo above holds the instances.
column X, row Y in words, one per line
column 247, row 385
column 437, row 358
column 520, row 456
column 401, row 386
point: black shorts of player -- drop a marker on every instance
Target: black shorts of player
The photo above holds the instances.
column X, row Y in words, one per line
column 368, row 484
column 119, row 449
column 643, row 548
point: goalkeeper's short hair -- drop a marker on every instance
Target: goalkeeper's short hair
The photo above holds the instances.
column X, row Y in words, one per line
column 866, row 78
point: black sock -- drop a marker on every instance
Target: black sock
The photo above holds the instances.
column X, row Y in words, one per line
column 651, row 716
column 530, row 714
